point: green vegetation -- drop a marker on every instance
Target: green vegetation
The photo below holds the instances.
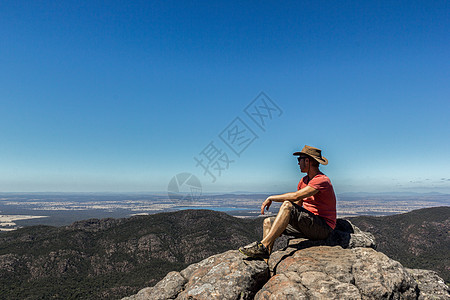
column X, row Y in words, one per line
column 113, row 258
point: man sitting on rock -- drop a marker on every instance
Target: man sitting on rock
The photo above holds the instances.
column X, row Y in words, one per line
column 310, row 212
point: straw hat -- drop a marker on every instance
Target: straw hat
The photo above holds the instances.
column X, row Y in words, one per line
column 314, row 153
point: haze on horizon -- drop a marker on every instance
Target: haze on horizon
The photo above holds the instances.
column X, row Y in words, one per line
column 121, row 97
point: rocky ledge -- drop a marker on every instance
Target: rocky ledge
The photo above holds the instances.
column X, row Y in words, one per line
column 345, row 266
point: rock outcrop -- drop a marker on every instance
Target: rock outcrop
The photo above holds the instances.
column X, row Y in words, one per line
column 222, row 276
column 431, row 286
column 418, row 239
column 326, row 272
column 345, row 266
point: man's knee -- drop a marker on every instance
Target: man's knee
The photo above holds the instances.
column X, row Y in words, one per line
column 287, row 206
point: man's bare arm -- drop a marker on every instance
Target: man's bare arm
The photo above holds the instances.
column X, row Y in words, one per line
column 292, row 197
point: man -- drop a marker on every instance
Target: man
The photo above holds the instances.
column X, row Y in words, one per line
column 310, row 212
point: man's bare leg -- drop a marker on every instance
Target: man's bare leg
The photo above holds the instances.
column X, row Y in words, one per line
column 273, row 230
column 267, row 225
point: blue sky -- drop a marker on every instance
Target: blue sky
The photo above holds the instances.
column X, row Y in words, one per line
column 111, row 96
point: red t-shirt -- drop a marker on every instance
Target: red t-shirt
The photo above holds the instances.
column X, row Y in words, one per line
column 323, row 203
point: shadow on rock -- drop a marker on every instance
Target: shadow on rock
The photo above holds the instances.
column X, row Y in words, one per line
column 345, row 235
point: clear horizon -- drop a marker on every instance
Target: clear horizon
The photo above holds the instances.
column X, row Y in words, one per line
column 123, row 97
column 164, row 193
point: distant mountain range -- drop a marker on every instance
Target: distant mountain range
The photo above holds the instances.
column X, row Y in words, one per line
column 111, row 258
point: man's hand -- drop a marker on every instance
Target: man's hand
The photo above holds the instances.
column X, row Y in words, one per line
column 266, row 204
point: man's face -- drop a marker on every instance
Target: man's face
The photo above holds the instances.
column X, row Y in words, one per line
column 303, row 163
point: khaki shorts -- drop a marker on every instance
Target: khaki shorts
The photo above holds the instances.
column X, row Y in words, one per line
column 305, row 224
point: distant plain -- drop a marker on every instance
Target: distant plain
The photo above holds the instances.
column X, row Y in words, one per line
column 57, row 209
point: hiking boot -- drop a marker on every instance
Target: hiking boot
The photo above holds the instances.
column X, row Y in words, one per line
column 255, row 250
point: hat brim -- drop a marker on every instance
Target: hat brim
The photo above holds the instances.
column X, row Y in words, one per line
column 322, row 160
